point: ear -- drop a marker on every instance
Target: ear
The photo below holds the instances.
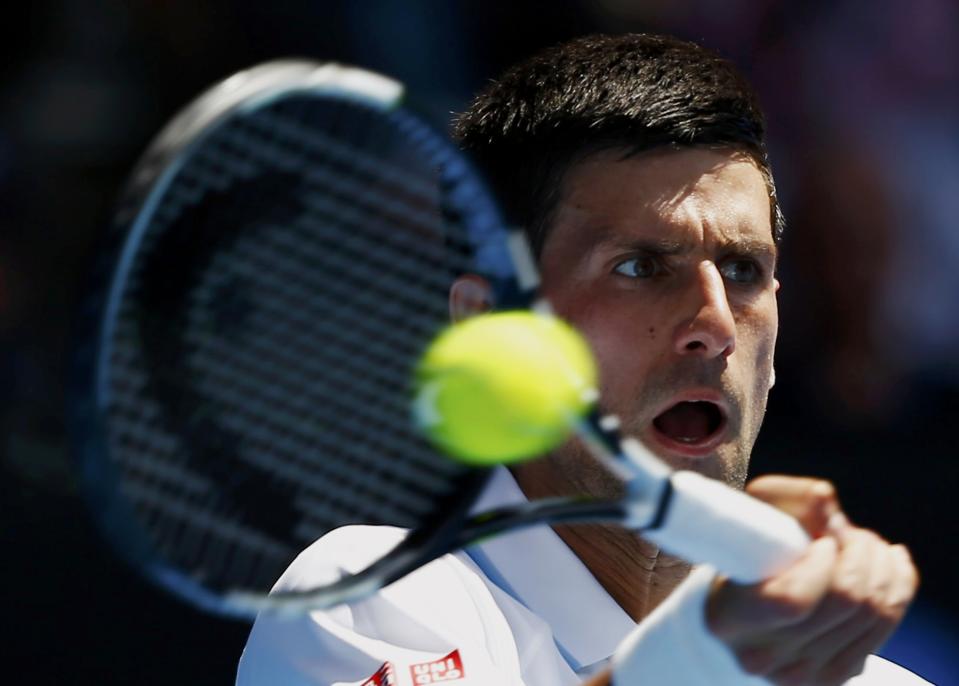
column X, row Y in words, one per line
column 470, row 294
column 772, row 372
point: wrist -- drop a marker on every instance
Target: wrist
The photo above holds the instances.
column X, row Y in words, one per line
column 675, row 640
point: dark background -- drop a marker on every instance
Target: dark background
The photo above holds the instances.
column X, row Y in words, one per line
column 863, row 102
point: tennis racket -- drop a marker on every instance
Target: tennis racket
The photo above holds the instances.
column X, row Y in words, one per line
column 279, row 261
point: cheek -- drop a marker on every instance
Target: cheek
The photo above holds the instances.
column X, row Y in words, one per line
column 757, row 333
column 624, row 348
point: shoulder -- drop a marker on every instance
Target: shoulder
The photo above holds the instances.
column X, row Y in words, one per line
column 442, row 607
column 342, row 551
column 450, row 593
column 880, row 672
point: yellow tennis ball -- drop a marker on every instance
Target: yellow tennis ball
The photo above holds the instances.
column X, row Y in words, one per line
column 502, row 387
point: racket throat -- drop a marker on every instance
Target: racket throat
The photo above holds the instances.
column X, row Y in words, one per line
column 646, row 477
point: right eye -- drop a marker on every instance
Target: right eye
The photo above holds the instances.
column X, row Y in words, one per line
column 642, row 267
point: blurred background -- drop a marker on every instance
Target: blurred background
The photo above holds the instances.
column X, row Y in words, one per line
column 862, row 97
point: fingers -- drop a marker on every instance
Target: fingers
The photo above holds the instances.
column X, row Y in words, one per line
column 737, row 611
column 813, row 502
column 838, row 653
column 851, row 622
column 904, row 588
column 818, row 620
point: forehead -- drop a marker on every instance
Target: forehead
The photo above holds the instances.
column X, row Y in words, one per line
column 686, row 194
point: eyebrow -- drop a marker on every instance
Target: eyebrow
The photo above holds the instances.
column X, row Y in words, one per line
column 660, row 246
column 668, row 247
column 751, row 247
column 607, row 238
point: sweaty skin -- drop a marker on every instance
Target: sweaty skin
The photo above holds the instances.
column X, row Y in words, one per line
column 665, row 261
column 677, row 243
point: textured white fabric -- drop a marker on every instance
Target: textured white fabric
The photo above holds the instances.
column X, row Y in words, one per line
column 519, row 610
column 674, row 640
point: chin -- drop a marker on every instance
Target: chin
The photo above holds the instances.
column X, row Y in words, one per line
column 709, row 465
column 730, row 470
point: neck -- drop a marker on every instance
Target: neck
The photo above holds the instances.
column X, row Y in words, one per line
column 633, row 571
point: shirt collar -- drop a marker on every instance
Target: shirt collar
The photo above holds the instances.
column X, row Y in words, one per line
column 547, row 577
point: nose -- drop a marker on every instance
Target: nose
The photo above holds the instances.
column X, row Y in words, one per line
column 708, row 330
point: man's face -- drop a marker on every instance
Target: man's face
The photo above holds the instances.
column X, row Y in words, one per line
column 665, row 261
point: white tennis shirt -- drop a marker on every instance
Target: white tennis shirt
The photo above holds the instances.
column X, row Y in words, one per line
column 518, row 610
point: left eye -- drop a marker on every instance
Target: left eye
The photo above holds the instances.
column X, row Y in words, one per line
column 741, row 271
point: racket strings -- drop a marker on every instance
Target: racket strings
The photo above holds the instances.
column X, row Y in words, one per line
column 287, row 354
column 197, row 539
column 388, row 355
column 300, row 291
column 293, row 333
column 367, row 159
column 369, row 133
column 273, row 432
column 362, row 227
column 344, row 192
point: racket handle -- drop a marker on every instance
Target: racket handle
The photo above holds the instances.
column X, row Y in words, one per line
column 706, row 521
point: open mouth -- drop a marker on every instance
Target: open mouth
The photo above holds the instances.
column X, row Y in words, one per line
column 691, row 423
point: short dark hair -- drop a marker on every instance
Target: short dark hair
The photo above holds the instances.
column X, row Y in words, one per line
column 633, row 91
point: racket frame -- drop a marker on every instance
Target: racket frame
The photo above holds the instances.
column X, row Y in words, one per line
column 653, row 491
column 89, row 392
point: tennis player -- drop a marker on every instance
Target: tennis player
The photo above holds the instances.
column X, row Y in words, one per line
column 638, row 166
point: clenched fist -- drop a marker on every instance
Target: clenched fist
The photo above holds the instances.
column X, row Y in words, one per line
column 818, row 620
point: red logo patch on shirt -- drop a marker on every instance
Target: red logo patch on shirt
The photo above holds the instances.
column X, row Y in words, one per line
column 384, row 676
column 447, row 668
